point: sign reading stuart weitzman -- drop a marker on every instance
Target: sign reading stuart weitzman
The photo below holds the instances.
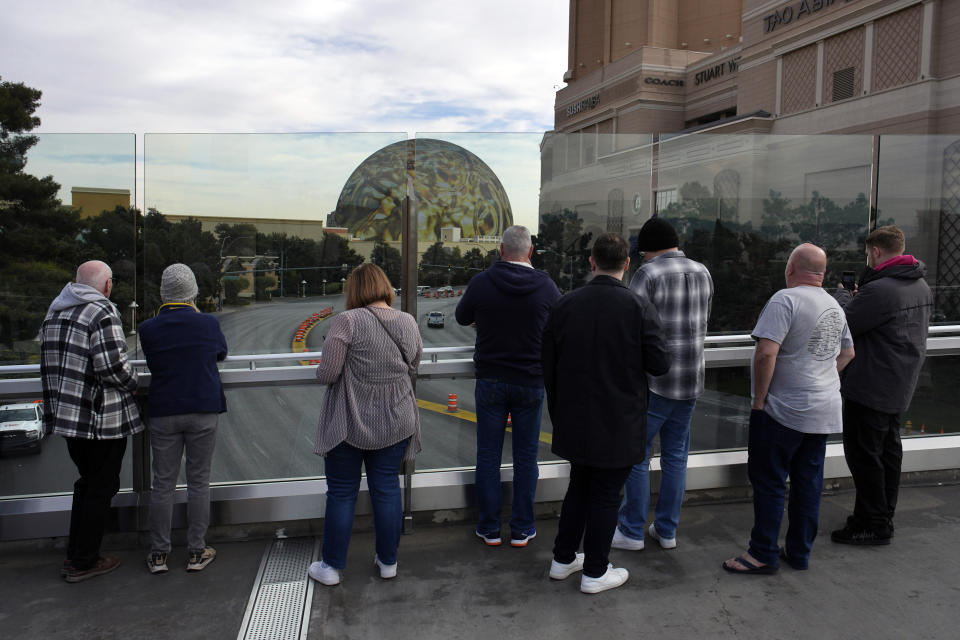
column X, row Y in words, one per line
column 716, row 71
column 795, row 11
column 583, row 105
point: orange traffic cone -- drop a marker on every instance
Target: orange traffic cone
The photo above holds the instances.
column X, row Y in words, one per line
column 509, row 421
column 923, row 428
column 452, row 403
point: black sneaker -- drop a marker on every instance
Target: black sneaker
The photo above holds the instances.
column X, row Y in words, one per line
column 157, row 562
column 860, row 536
column 106, row 564
column 200, row 558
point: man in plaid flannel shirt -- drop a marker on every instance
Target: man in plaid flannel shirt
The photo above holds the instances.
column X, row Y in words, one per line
column 88, row 399
column 682, row 292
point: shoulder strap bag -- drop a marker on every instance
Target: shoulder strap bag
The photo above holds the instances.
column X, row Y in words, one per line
column 410, row 370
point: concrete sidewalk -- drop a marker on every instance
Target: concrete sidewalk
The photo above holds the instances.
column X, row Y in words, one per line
column 451, row 586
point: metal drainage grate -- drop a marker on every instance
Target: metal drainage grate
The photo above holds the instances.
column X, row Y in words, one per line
column 279, row 606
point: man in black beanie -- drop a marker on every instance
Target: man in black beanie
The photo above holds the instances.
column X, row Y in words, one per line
column 682, row 291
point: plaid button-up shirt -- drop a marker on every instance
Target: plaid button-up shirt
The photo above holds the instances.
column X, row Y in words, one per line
column 88, row 383
column 682, row 291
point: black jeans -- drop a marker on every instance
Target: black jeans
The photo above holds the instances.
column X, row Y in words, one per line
column 98, row 462
column 871, row 445
column 589, row 513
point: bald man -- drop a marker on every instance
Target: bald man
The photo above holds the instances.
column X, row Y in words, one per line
column 88, row 399
column 802, row 345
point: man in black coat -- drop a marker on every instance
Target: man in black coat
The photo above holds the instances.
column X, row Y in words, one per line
column 889, row 316
column 599, row 343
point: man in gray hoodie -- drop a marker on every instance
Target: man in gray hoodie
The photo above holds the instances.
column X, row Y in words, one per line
column 88, row 399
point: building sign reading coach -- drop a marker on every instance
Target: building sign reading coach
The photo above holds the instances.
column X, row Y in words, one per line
column 796, row 11
column 664, row 82
column 583, row 105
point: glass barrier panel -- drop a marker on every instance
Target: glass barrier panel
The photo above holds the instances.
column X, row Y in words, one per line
column 743, row 202
column 933, row 410
column 270, row 224
column 64, row 199
column 919, row 191
column 591, row 184
column 469, row 188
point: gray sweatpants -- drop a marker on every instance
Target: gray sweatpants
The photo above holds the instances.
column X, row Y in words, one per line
column 169, row 437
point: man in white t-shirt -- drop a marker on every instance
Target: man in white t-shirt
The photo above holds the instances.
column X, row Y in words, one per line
column 802, row 345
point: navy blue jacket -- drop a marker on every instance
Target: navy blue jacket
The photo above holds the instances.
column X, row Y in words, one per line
column 182, row 347
column 510, row 303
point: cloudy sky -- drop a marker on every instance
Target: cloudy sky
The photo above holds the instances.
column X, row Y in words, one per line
column 291, row 67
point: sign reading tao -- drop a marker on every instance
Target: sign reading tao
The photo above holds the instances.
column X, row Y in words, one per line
column 795, row 11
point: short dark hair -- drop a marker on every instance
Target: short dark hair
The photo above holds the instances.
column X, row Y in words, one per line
column 888, row 239
column 610, row 252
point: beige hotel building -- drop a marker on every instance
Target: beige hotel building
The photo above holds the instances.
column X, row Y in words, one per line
column 647, row 79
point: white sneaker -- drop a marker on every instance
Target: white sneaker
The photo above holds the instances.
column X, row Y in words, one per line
column 665, row 543
column 612, row 579
column 324, row 573
column 621, row 541
column 560, row 571
column 387, row 571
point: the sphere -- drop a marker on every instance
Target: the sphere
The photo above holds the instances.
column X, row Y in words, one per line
column 453, row 187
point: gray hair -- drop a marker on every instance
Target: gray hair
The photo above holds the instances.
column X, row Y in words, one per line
column 516, row 242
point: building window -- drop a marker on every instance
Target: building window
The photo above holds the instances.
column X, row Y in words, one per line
column 589, row 148
column 615, row 211
column 665, row 197
column 726, row 188
column 843, row 83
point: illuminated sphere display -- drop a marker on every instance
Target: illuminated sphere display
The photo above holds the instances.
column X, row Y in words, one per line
column 453, row 187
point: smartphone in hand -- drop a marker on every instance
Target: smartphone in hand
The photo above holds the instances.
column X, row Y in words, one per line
column 849, row 280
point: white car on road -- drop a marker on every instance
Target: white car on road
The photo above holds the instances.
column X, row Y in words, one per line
column 21, row 427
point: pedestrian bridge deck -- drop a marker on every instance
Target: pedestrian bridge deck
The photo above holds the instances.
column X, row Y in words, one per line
column 451, row 586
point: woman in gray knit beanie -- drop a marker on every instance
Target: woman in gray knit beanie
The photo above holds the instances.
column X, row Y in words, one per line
column 182, row 347
column 178, row 284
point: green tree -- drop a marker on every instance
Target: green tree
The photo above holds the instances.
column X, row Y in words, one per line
column 261, row 286
column 38, row 237
column 388, row 259
column 232, row 286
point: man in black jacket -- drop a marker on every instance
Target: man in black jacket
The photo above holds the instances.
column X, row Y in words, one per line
column 599, row 344
column 888, row 315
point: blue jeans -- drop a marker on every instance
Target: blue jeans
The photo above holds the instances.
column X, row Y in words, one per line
column 342, row 466
column 495, row 399
column 671, row 419
column 774, row 452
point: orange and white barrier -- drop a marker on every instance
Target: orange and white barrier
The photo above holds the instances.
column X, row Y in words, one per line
column 452, row 403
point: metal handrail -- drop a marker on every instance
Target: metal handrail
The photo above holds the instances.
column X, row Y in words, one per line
column 432, row 354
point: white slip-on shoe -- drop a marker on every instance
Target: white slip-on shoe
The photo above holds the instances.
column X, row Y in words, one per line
column 612, row 579
column 324, row 573
column 621, row 541
column 387, row 571
column 665, row 543
column 560, row 571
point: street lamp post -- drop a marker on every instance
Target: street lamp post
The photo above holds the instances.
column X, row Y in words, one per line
column 223, row 245
column 133, row 328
